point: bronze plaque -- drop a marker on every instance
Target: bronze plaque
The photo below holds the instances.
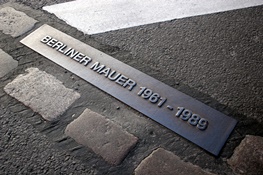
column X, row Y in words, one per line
column 173, row 109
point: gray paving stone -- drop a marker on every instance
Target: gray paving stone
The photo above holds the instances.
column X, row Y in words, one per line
column 103, row 136
column 248, row 156
column 42, row 92
column 165, row 162
column 15, row 23
column 7, row 63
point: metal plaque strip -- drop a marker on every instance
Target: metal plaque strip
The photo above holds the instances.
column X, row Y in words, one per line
column 175, row 110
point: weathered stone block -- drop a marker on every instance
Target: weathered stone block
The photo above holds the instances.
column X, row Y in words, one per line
column 165, row 162
column 103, row 136
column 15, row 23
column 42, row 92
column 248, row 156
column 7, row 63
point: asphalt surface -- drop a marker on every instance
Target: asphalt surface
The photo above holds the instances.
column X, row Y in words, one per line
column 219, row 55
column 215, row 58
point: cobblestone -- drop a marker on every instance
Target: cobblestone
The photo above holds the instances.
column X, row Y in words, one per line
column 226, row 46
column 15, row 23
column 248, row 156
column 165, row 162
column 7, row 63
column 103, row 136
column 42, row 92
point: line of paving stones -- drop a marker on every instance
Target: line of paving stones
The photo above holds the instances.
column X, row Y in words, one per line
column 90, row 129
column 112, row 139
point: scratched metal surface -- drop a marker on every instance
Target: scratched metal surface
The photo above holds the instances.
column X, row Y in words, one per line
column 211, row 139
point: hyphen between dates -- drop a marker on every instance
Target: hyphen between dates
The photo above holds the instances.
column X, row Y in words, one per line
column 124, row 81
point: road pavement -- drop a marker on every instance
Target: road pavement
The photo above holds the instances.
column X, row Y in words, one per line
column 215, row 58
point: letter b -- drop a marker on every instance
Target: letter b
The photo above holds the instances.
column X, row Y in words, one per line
column 46, row 39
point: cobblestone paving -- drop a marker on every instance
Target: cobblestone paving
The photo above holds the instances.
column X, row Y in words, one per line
column 248, row 156
column 31, row 144
column 42, row 92
column 102, row 135
column 162, row 161
column 7, row 63
column 15, row 23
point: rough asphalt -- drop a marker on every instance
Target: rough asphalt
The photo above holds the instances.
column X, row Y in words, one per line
column 216, row 59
